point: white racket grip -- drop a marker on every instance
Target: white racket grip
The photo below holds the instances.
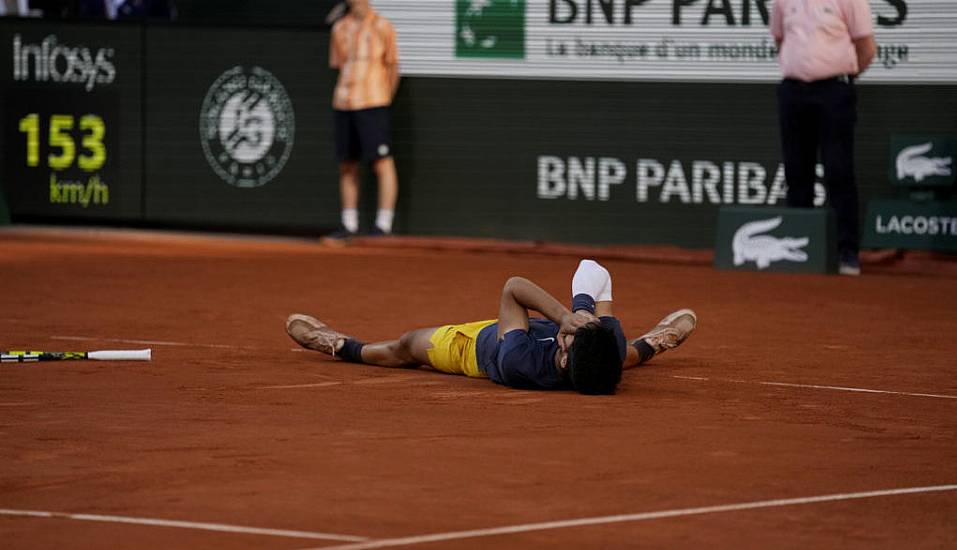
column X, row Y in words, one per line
column 121, row 355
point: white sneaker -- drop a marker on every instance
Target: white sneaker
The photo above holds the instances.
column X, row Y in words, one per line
column 849, row 269
column 671, row 331
column 849, row 264
column 311, row 333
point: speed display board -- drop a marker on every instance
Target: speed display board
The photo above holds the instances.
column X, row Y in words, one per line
column 61, row 150
column 71, row 120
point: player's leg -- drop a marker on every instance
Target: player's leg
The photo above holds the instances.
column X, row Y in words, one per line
column 450, row 349
column 410, row 350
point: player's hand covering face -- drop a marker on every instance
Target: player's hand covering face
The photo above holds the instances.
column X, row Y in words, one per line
column 570, row 324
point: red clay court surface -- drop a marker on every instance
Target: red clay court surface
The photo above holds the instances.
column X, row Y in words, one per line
column 806, row 411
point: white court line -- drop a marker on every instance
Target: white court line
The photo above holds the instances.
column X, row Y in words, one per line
column 475, row 533
column 221, row 527
column 147, row 342
column 817, row 387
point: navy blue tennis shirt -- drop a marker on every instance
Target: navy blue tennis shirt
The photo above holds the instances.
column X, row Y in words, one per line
column 527, row 359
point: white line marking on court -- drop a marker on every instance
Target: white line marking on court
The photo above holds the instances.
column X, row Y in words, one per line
column 475, row 533
column 222, row 527
column 817, row 387
column 147, row 342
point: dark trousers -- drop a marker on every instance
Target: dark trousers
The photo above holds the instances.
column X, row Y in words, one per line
column 820, row 116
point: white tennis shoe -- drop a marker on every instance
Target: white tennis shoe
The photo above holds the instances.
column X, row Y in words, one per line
column 311, row 333
column 671, row 331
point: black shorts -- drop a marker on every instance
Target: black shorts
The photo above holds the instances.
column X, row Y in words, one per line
column 365, row 134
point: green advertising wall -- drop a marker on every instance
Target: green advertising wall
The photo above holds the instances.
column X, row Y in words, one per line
column 195, row 82
column 527, row 159
column 231, row 127
column 4, row 213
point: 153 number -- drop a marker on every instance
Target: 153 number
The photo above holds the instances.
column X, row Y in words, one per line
column 63, row 147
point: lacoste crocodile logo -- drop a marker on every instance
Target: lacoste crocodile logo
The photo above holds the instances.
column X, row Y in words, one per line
column 750, row 246
column 912, row 162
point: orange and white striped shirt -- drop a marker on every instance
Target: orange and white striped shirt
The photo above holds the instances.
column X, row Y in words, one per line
column 366, row 54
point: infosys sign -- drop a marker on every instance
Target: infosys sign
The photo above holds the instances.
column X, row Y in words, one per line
column 51, row 60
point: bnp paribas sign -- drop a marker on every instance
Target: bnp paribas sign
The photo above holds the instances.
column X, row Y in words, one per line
column 660, row 40
column 490, row 28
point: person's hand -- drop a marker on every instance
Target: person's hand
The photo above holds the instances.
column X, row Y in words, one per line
column 570, row 323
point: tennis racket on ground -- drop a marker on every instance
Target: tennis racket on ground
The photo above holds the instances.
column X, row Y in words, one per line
column 104, row 355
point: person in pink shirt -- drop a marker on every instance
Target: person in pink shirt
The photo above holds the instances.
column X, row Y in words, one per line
column 824, row 45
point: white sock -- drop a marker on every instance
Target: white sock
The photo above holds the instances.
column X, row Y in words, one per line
column 383, row 220
column 350, row 219
column 592, row 279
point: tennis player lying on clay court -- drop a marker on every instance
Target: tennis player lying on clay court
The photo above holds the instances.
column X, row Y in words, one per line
column 583, row 349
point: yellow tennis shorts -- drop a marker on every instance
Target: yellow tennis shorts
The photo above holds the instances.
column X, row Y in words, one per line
column 453, row 348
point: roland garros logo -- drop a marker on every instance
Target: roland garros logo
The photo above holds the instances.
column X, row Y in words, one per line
column 247, row 126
